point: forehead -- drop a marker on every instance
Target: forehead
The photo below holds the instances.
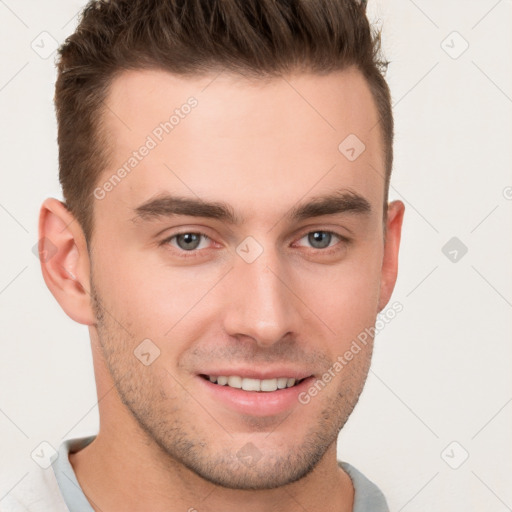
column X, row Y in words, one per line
column 259, row 145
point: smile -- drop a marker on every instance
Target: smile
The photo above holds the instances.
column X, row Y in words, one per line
column 249, row 384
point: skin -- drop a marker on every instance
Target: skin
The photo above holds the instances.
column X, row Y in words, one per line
column 164, row 443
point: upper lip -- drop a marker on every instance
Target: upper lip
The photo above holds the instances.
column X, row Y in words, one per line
column 251, row 373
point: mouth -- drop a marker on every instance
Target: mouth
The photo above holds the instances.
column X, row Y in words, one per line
column 251, row 384
column 262, row 392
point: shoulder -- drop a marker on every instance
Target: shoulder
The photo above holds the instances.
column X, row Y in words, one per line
column 367, row 496
column 50, row 486
column 37, row 491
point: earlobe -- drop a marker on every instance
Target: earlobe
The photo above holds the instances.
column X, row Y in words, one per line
column 65, row 260
column 389, row 272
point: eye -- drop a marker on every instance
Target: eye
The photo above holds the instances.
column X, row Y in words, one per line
column 188, row 241
column 323, row 239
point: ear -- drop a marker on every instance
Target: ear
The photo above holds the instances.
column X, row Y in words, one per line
column 389, row 271
column 65, row 261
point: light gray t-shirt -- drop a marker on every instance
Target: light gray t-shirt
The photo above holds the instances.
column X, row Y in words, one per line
column 56, row 489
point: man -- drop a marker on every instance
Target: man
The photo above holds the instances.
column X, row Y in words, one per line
column 226, row 237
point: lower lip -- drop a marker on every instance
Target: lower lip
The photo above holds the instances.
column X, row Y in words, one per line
column 256, row 403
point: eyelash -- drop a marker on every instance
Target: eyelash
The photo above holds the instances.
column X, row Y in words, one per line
column 194, row 253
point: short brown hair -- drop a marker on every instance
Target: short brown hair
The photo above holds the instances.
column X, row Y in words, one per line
column 260, row 38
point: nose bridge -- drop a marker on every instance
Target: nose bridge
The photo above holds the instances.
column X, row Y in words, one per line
column 260, row 303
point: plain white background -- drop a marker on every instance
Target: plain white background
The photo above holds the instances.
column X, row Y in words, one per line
column 440, row 385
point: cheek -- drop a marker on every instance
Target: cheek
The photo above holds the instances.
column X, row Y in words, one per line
column 154, row 299
column 346, row 296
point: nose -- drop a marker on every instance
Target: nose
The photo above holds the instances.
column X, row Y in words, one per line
column 260, row 303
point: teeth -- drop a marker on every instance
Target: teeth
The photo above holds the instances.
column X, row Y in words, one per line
column 269, row 385
column 251, row 384
column 281, row 382
column 235, row 382
column 248, row 384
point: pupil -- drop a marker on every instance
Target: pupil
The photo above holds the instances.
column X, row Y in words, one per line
column 190, row 240
column 319, row 239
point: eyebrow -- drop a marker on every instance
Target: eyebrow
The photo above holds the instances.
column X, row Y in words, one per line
column 343, row 201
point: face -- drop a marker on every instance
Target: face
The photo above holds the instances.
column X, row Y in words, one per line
column 243, row 246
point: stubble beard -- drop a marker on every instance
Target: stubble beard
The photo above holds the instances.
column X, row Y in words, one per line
column 163, row 420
